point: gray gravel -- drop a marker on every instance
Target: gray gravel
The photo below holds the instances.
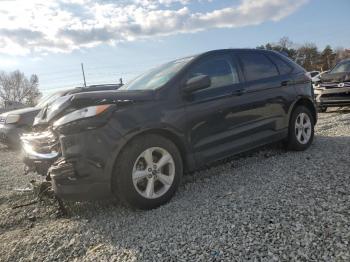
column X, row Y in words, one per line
column 268, row 205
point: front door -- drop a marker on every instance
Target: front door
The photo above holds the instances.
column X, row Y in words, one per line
column 212, row 112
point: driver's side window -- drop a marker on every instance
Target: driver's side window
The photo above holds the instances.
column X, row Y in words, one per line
column 219, row 69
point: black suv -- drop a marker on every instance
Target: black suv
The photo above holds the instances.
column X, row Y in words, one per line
column 137, row 141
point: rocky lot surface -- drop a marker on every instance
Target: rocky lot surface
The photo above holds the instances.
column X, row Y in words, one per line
column 267, row 205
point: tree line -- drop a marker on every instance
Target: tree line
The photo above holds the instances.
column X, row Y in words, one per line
column 308, row 55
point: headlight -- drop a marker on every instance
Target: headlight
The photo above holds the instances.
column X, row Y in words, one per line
column 12, row 119
column 48, row 112
column 86, row 112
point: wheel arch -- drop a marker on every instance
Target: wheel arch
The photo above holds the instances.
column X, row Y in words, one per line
column 308, row 103
column 187, row 160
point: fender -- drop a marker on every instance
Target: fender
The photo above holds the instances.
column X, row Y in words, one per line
column 165, row 130
column 303, row 100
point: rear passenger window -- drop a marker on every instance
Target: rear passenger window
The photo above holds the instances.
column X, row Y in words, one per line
column 220, row 70
column 257, row 66
column 283, row 66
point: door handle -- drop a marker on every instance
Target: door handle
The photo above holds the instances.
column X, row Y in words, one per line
column 285, row 83
column 239, row 92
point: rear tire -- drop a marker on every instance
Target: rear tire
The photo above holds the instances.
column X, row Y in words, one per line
column 301, row 129
column 140, row 179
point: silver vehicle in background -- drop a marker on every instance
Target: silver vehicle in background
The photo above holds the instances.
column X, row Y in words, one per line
column 333, row 88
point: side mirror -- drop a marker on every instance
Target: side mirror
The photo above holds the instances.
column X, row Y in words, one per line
column 197, row 83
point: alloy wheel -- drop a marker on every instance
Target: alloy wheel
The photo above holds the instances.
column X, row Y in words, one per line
column 153, row 172
column 303, row 128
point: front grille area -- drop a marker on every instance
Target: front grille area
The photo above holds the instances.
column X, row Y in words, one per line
column 335, row 85
column 41, row 143
column 343, row 96
column 2, row 119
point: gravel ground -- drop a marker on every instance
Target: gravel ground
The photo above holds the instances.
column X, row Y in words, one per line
column 268, row 205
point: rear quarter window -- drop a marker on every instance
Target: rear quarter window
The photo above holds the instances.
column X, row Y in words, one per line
column 257, row 66
column 283, row 67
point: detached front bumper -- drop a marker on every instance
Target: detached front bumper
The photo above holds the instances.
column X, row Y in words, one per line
column 332, row 96
column 79, row 165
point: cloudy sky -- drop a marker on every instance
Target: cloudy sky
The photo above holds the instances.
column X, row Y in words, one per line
column 124, row 37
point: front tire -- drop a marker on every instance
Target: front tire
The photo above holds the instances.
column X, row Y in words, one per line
column 148, row 172
column 301, row 129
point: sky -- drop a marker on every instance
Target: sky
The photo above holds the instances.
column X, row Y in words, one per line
column 123, row 38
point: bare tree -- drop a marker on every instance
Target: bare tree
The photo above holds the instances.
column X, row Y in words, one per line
column 308, row 56
column 341, row 53
column 285, row 43
column 16, row 87
column 327, row 58
column 34, row 94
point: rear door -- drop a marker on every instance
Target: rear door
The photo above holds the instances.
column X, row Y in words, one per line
column 267, row 92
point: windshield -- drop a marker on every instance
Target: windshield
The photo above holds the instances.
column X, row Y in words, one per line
column 157, row 77
column 342, row 67
column 48, row 99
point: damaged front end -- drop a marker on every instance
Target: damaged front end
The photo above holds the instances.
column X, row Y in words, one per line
column 76, row 164
column 76, row 140
column 42, row 155
column 333, row 90
column 41, row 147
column 40, row 150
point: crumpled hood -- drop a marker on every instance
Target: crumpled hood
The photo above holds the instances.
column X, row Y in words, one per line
column 69, row 103
column 335, row 77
